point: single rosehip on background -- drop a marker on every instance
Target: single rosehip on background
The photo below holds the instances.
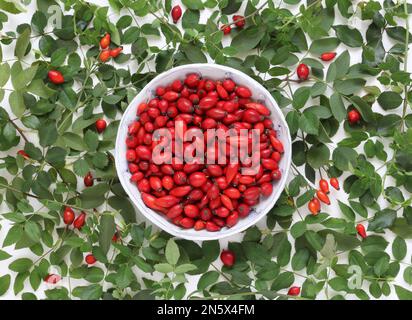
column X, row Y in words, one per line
column 176, row 13
column 228, row 258
column 100, row 125
column 88, row 180
column 354, row 116
column 302, row 71
column 55, row 77
column 327, row 56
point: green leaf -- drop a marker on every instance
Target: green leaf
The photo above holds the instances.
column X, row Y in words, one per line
column 33, row 231
column 163, row 267
column 172, row 252
column 21, row 265
column 207, row 279
column 22, row 43
column 382, row 220
column 337, row 107
column 402, row 293
column 318, row 156
column 248, row 38
column 284, row 280
column 4, row 255
column 4, row 284
column 389, row 100
column 343, row 156
column 193, row 4
column 320, row 46
column 107, row 229
column 350, row 37
column 399, row 248
column 349, row 86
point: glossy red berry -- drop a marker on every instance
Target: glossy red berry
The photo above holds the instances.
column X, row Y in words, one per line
column 327, row 56
column 294, row 291
column 228, row 258
column 68, row 216
column 176, row 13
column 354, row 116
column 88, row 180
column 324, row 186
column 322, row 196
column 104, row 55
column 115, row 52
column 302, row 71
column 105, row 41
column 90, row 259
column 226, row 29
column 361, row 230
column 100, row 125
column 314, row 206
column 334, row 182
column 55, row 77
column 80, row 220
column 239, row 21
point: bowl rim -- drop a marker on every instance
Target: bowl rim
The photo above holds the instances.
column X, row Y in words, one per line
column 144, row 210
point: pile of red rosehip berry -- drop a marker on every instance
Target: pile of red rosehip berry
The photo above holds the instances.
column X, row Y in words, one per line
column 195, row 195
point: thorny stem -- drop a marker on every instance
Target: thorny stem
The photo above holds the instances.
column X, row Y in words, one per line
column 20, row 131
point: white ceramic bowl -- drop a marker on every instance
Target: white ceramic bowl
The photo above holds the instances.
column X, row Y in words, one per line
column 212, row 71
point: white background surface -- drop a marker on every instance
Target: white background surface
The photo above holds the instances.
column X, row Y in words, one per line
column 333, row 209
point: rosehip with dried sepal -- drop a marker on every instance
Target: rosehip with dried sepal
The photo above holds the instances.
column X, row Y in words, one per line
column 176, row 13
column 334, row 182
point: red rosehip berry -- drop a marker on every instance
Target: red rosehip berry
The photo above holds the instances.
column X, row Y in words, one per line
column 115, row 52
column 55, row 77
column 105, row 41
column 294, row 291
column 90, row 259
column 302, row 71
column 176, row 13
column 79, row 221
column 100, row 125
column 334, row 182
column 361, row 230
column 354, row 116
column 226, row 29
column 239, row 21
column 68, row 216
column 228, row 258
column 104, row 55
column 88, row 180
column 327, row 56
